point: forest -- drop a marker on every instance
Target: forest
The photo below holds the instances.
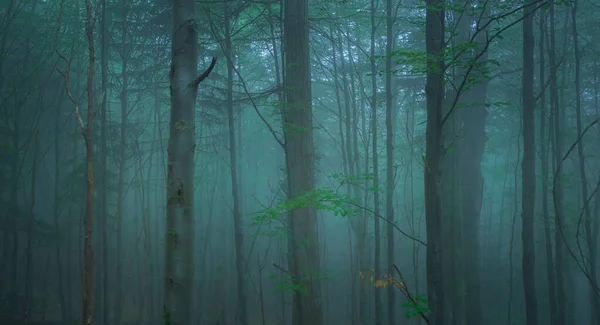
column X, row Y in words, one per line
column 299, row 162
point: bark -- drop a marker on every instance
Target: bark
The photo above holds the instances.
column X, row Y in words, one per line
column 57, row 248
column 299, row 155
column 123, row 97
column 233, row 164
column 6, row 220
column 389, row 146
column 591, row 247
column 103, row 160
column 550, row 277
column 434, row 92
column 377, row 268
column 557, row 186
column 528, row 170
column 88, row 249
column 29, row 246
column 179, row 230
column 473, row 121
column 359, row 222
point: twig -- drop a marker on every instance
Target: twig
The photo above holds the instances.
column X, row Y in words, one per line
column 408, row 295
column 282, row 270
column 65, row 73
column 204, row 74
column 388, row 221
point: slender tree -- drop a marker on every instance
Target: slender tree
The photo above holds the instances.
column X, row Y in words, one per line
column 376, row 207
column 240, row 265
column 103, row 159
column 528, row 169
column 389, row 150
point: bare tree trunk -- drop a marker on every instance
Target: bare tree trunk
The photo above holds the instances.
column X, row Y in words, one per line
column 103, row 161
column 58, row 248
column 557, row 186
column 6, row 222
column 123, row 97
column 299, row 155
column 88, row 249
column 473, row 118
column 377, row 268
column 434, row 92
column 179, row 231
column 29, row 247
column 389, row 149
column 528, row 169
column 233, row 165
column 550, row 277
column 591, row 247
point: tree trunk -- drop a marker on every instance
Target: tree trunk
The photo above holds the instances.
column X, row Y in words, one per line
column 299, row 156
column 103, row 161
column 434, row 92
column 179, row 230
column 557, row 186
column 389, row 149
column 473, row 121
column 123, row 97
column 377, row 268
column 550, row 277
column 88, row 249
column 528, row 169
column 233, row 164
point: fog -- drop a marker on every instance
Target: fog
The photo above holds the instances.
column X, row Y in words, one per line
column 301, row 162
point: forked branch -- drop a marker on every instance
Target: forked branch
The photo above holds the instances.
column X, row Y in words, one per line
column 65, row 73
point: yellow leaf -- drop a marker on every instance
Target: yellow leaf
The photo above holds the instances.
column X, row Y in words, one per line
column 380, row 283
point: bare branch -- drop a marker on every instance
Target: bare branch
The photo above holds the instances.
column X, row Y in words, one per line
column 65, row 73
column 243, row 83
column 205, row 73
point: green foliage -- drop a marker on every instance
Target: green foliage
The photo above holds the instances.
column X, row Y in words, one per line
column 8, row 148
column 417, row 308
column 323, row 199
column 285, row 283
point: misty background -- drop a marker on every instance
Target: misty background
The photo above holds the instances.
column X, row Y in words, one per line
column 508, row 142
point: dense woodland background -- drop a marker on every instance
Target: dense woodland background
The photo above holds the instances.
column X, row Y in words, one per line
column 299, row 162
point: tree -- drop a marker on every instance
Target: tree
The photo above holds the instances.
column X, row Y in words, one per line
column 179, row 235
column 86, row 132
column 299, row 158
column 103, row 159
column 528, row 166
column 434, row 92
column 240, row 264
column 389, row 150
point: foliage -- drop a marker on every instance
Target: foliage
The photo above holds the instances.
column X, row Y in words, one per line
column 414, row 307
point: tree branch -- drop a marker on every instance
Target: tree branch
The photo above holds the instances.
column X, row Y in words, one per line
column 204, row 74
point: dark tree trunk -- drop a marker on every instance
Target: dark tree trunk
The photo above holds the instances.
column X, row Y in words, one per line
column 434, row 92
column 88, row 249
column 377, row 268
column 528, row 169
column 550, row 277
column 103, row 161
column 557, row 194
column 389, row 149
column 299, row 155
column 233, row 163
